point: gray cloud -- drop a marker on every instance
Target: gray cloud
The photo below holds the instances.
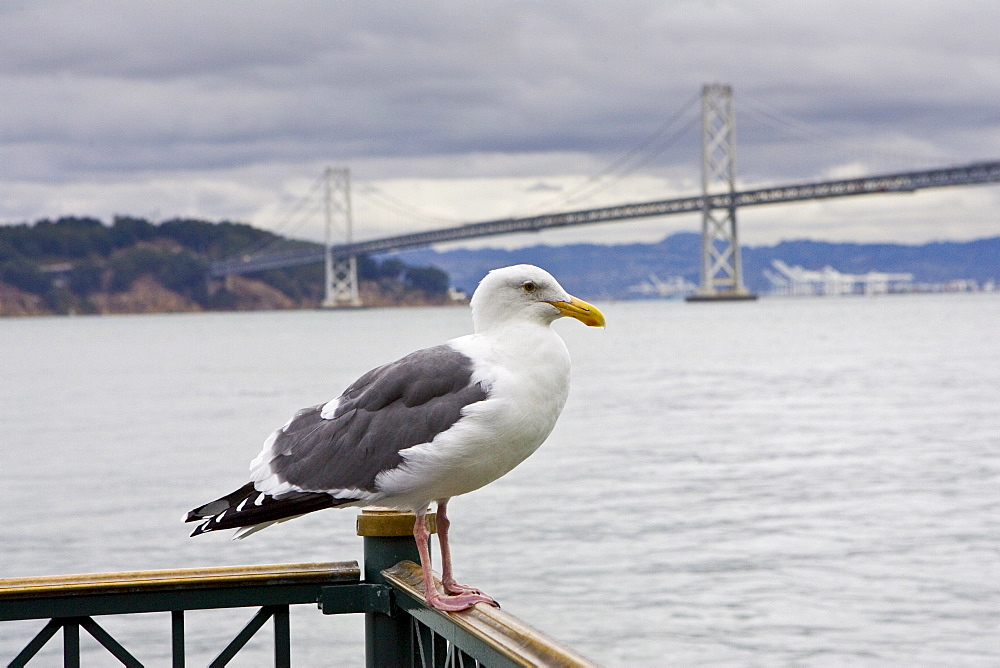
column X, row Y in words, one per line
column 117, row 91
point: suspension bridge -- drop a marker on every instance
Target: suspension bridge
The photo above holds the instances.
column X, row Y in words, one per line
column 718, row 202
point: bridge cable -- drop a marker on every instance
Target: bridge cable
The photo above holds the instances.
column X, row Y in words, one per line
column 680, row 134
column 626, row 164
column 621, row 167
column 778, row 120
column 281, row 229
column 387, row 202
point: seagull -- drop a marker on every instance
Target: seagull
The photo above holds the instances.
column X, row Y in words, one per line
column 435, row 424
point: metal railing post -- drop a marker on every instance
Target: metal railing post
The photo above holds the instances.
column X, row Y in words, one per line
column 388, row 537
column 71, row 643
column 177, row 638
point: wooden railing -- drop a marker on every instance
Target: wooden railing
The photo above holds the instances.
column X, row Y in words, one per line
column 400, row 629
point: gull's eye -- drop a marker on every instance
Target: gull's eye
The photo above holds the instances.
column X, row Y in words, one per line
column 529, row 286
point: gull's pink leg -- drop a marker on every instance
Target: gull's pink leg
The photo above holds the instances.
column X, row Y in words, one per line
column 447, row 575
column 431, row 594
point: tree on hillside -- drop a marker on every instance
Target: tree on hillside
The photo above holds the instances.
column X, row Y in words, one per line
column 71, row 237
column 431, row 280
column 182, row 272
column 215, row 240
column 127, row 231
column 24, row 275
column 85, row 278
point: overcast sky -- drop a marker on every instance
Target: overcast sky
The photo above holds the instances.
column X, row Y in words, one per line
column 451, row 112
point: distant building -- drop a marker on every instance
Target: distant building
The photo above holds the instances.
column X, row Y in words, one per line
column 676, row 286
column 786, row 280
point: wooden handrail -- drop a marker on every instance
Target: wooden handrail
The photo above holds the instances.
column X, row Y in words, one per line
column 181, row 578
column 519, row 642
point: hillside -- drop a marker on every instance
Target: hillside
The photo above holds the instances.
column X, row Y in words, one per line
column 603, row 271
column 81, row 265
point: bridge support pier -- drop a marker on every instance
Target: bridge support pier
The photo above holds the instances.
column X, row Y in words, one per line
column 342, row 282
column 341, row 272
column 721, row 265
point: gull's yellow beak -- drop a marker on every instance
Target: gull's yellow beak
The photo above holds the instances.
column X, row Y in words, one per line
column 586, row 313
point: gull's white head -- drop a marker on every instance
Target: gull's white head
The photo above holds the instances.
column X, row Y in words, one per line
column 524, row 292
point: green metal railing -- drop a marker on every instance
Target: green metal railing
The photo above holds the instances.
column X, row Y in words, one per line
column 400, row 630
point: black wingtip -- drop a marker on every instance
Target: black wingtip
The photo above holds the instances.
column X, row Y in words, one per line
column 234, row 510
column 200, row 529
column 210, row 510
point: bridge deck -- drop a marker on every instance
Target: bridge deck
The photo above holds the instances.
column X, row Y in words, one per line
column 902, row 182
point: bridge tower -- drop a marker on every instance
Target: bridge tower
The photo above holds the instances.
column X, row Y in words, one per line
column 721, row 266
column 341, row 272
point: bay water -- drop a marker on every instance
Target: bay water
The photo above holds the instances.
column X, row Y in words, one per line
column 808, row 481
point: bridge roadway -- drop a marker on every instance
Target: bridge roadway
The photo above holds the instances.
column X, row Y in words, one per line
column 976, row 173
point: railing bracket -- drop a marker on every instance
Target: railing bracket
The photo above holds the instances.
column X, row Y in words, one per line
column 364, row 597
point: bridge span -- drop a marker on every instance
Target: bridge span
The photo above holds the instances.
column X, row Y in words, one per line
column 902, row 182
